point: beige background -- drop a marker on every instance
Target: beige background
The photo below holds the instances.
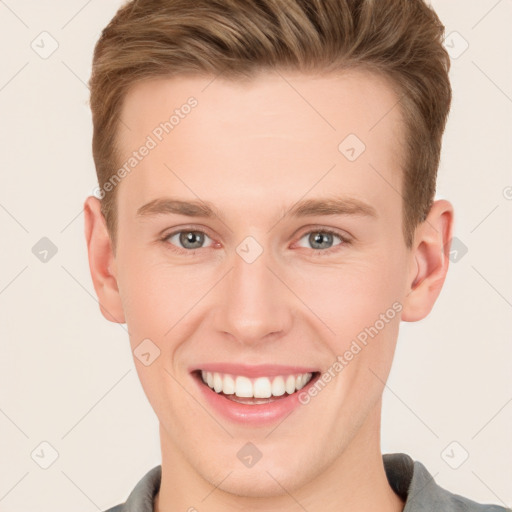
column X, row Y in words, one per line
column 67, row 377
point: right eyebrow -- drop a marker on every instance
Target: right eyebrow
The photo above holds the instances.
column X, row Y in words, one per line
column 169, row 205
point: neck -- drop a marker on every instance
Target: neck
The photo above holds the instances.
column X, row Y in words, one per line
column 356, row 480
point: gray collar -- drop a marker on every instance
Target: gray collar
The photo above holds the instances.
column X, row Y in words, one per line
column 409, row 479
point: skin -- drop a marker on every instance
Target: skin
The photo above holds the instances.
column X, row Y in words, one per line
column 253, row 149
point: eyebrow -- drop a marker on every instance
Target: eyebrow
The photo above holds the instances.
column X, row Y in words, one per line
column 304, row 208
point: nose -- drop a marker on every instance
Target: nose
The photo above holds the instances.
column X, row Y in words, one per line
column 254, row 304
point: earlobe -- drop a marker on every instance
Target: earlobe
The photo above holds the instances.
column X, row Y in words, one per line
column 101, row 261
column 431, row 259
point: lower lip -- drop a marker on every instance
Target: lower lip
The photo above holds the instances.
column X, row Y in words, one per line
column 254, row 415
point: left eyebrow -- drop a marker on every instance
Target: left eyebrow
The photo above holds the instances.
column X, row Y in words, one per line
column 332, row 206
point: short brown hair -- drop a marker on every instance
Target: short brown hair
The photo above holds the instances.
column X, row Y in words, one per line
column 400, row 39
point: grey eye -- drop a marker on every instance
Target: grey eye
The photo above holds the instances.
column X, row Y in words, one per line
column 320, row 239
column 188, row 239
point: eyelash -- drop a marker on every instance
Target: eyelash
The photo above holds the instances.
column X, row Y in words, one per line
column 317, row 252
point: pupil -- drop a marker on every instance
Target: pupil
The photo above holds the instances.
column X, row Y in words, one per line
column 318, row 237
column 192, row 237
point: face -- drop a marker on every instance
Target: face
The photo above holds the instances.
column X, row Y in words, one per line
column 289, row 266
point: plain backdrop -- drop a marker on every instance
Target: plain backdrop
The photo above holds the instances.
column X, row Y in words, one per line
column 68, row 386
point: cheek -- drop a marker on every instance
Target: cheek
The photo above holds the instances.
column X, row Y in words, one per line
column 361, row 305
column 155, row 298
column 350, row 297
column 156, row 294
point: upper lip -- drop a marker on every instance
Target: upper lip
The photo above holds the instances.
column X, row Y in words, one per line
column 260, row 370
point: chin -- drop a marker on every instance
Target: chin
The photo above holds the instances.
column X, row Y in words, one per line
column 259, row 484
column 261, row 481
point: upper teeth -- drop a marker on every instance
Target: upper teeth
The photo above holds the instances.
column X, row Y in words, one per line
column 261, row 387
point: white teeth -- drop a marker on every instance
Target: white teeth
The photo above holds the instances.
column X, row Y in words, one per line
column 305, row 379
column 217, row 382
column 261, row 387
column 228, row 385
column 290, row 384
column 243, row 387
column 278, row 388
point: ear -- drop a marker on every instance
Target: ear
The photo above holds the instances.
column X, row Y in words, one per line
column 429, row 261
column 102, row 261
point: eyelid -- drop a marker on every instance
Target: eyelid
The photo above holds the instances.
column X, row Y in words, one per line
column 166, row 234
column 325, row 229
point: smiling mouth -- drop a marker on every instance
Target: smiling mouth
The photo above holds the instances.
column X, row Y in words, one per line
column 254, row 391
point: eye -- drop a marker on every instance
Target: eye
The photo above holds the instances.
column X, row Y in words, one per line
column 323, row 239
column 187, row 239
column 190, row 239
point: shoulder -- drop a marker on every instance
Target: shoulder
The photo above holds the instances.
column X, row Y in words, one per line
column 441, row 499
column 142, row 496
column 412, row 481
column 117, row 508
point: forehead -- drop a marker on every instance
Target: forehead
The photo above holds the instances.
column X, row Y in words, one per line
column 276, row 130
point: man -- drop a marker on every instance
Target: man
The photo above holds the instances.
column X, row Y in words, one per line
column 266, row 218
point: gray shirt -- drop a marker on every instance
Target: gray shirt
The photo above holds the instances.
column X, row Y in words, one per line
column 409, row 479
